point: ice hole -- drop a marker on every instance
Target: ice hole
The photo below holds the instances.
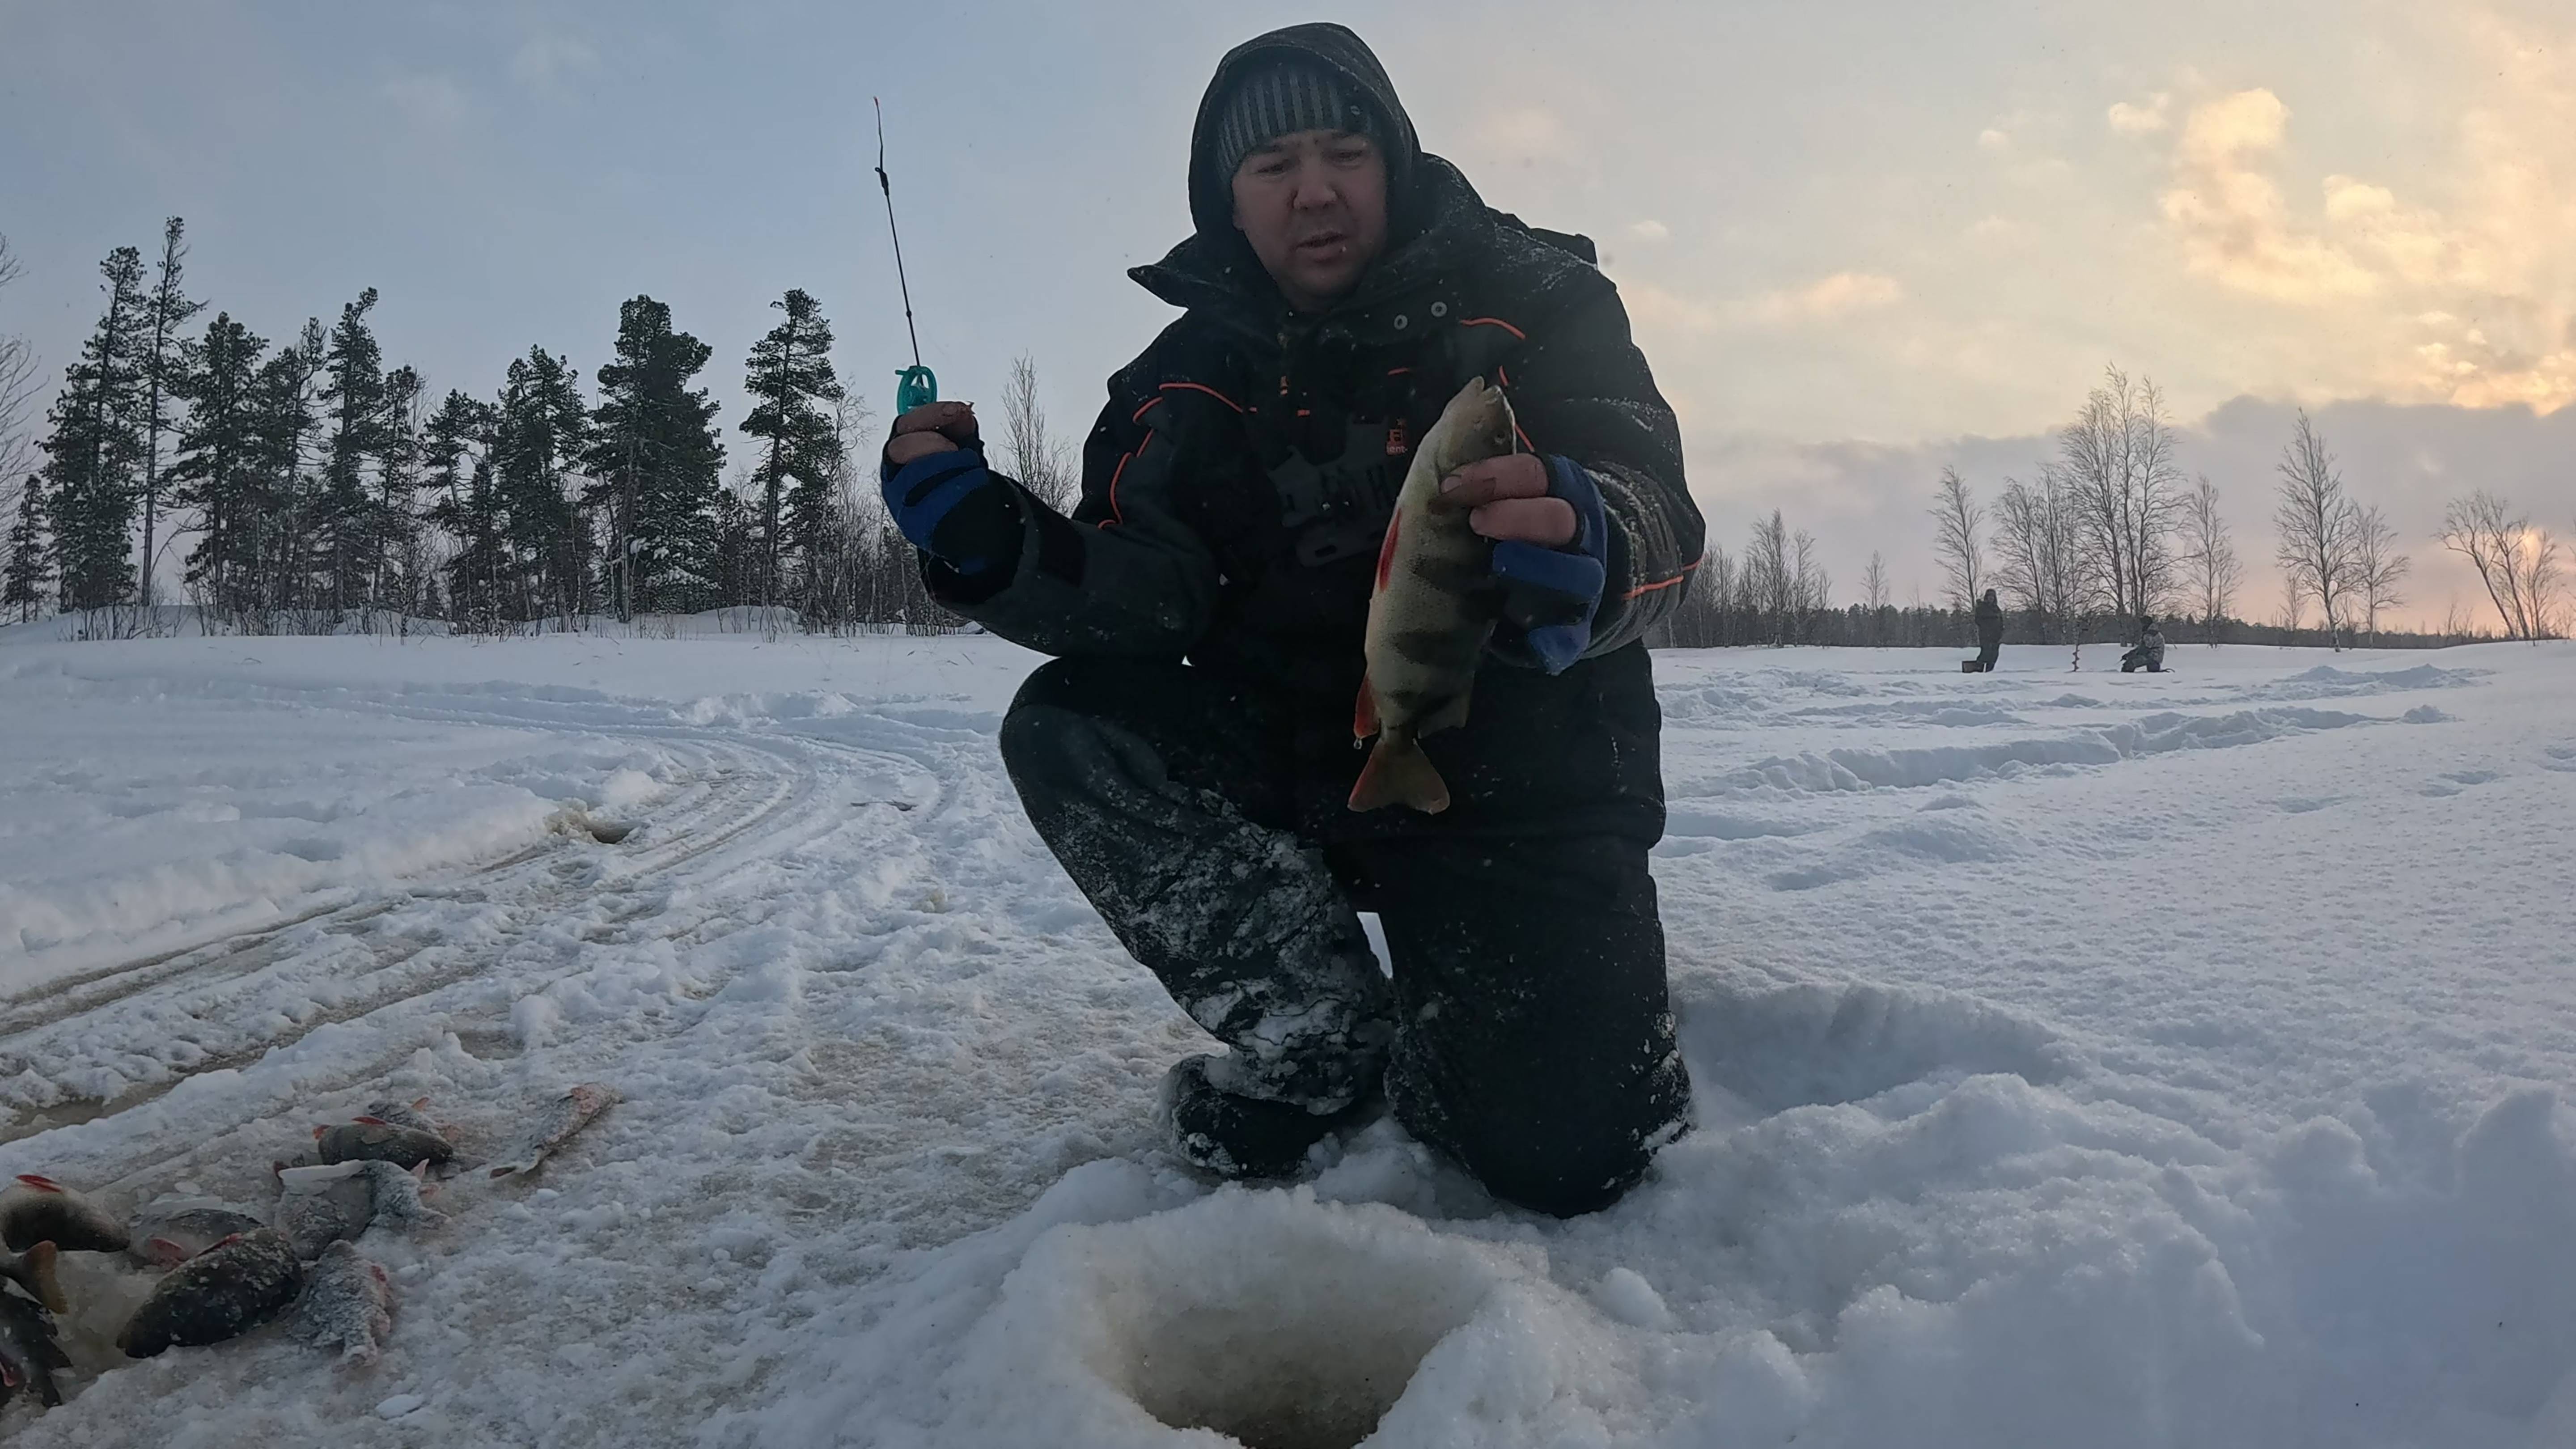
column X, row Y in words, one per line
column 1276, row 1320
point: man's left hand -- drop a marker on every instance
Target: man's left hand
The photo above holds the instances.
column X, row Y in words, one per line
column 1551, row 551
column 1510, row 500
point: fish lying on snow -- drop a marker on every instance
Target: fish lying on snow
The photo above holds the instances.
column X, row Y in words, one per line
column 169, row 1233
column 318, row 1205
column 223, row 1292
column 348, row 1304
column 412, row 1114
column 33, row 1270
column 1432, row 610
column 553, row 1125
column 375, row 1139
column 38, row 1209
column 29, row 1349
column 397, row 1198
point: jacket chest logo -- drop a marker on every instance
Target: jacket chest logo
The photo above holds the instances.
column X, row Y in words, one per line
column 1338, row 508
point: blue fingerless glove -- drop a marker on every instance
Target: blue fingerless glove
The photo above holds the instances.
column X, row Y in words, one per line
column 1550, row 595
column 952, row 507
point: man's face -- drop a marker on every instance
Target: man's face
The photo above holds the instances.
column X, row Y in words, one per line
column 1313, row 205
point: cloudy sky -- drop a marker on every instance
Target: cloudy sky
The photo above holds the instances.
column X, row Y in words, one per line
column 1859, row 240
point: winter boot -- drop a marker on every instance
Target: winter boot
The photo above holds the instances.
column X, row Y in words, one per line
column 1236, row 1136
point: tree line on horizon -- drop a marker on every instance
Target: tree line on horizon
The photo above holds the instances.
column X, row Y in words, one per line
column 2110, row 531
column 313, row 484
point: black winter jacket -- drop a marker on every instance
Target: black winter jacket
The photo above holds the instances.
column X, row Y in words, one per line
column 1238, row 482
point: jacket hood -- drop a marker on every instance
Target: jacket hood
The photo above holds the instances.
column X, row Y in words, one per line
column 1216, row 260
column 1338, row 50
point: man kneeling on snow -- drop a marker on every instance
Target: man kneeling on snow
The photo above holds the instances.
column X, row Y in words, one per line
column 1343, row 284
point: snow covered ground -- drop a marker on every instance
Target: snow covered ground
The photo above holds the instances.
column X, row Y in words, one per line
column 2082, row 1059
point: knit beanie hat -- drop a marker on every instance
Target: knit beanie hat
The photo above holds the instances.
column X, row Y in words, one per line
column 1283, row 96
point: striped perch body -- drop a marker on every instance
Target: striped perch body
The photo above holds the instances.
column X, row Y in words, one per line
column 1431, row 611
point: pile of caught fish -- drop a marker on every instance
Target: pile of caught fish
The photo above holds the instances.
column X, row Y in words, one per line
column 222, row 1270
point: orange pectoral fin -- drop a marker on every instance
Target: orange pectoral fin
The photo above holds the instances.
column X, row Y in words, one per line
column 1364, row 712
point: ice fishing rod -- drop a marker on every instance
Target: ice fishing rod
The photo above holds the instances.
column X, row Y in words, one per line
column 914, row 385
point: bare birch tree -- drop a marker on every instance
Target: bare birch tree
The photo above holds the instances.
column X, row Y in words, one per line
column 1873, row 590
column 2121, row 467
column 2319, row 549
column 2378, row 567
column 2042, row 561
column 2211, row 570
column 2542, row 582
column 1963, row 558
column 1042, row 463
column 2517, row 563
column 1769, row 578
column 1811, row 589
column 18, row 383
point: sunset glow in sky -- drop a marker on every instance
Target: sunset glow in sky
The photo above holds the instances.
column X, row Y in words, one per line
column 1858, row 240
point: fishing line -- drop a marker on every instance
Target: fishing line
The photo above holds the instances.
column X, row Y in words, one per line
column 914, row 385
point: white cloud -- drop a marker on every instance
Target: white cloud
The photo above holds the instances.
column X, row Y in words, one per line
column 1994, row 139
column 1826, row 298
column 542, row 58
column 1650, row 230
column 434, row 101
column 2155, row 115
column 2469, row 301
column 1525, row 134
column 1996, row 231
column 2228, row 211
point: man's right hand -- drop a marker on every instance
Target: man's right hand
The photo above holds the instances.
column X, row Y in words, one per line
column 942, row 497
column 940, row 427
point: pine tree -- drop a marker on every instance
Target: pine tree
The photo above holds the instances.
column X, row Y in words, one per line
column 540, row 437
column 354, row 394
column 219, row 467
column 655, row 456
column 162, row 363
column 737, row 554
column 456, row 450
column 95, row 447
column 396, row 542
column 791, row 378
column 24, row 581
column 280, row 528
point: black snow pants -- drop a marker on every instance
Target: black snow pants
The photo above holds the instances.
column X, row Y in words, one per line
column 1987, row 653
column 1526, row 1033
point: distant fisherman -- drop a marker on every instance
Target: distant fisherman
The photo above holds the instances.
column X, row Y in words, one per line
column 1342, row 288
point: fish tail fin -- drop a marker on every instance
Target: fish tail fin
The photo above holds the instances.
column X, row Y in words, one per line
column 1399, row 773
column 41, row 1277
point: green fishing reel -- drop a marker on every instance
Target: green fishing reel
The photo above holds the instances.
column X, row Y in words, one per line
column 913, row 387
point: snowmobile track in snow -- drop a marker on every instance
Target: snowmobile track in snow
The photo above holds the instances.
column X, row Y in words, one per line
column 199, row 1009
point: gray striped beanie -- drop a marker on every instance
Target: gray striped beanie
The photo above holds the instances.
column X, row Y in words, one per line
column 1283, row 97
